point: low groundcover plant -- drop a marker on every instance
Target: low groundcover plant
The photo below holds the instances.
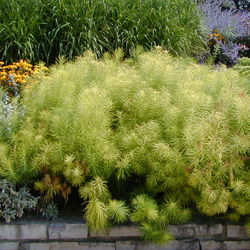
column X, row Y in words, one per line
column 152, row 139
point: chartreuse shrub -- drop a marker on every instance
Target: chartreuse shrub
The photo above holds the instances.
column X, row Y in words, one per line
column 152, row 139
column 43, row 30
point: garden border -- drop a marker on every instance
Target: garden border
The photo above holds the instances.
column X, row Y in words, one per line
column 69, row 233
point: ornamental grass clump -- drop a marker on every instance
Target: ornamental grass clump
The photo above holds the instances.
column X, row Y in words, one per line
column 154, row 140
column 44, row 30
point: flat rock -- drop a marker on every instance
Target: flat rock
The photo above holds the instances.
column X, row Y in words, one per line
column 35, row 246
column 59, row 230
column 174, row 245
column 33, row 231
column 118, row 232
column 9, row 246
column 197, row 231
column 239, row 232
column 68, row 246
column 212, row 245
column 237, row 245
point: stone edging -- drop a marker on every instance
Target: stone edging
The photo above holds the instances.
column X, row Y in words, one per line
column 73, row 234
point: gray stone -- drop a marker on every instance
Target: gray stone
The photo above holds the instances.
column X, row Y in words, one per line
column 198, row 231
column 68, row 246
column 35, row 246
column 118, row 232
column 81, row 246
column 140, row 245
column 9, row 246
column 239, row 232
column 212, row 245
column 68, row 231
column 34, row 231
column 237, row 245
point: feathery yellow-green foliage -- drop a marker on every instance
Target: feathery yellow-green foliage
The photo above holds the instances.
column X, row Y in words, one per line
column 145, row 139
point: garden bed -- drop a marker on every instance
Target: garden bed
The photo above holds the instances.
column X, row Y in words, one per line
column 151, row 140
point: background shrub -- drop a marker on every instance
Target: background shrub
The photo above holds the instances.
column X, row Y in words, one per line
column 228, row 30
column 43, row 30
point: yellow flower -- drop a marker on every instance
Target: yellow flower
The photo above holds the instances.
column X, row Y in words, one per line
column 2, row 78
column 17, row 73
column 4, row 73
column 12, row 66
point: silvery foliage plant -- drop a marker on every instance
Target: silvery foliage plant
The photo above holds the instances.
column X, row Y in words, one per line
column 13, row 202
column 9, row 107
column 231, row 23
